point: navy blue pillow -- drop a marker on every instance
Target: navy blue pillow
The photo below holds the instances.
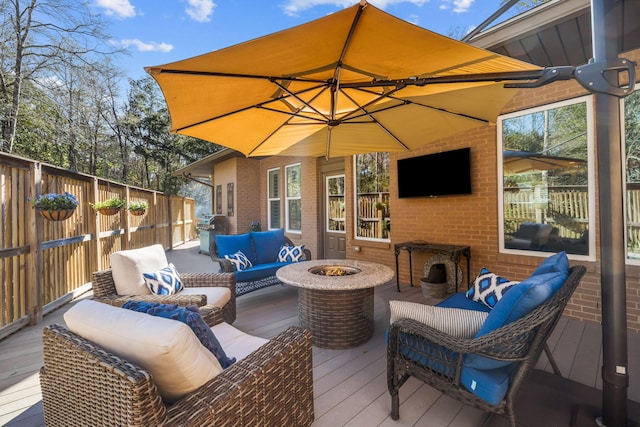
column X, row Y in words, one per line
column 191, row 317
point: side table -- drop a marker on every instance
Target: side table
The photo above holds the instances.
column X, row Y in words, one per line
column 454, row 252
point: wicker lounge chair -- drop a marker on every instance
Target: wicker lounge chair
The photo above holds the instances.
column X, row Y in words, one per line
column 104, row 290
column 84, row 385
column 438, row 359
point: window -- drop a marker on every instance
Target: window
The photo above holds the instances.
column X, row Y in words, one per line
column 546, row 191
column 335, row 204
column 372, row 196
column 230, row 206
column 632, row 151
column 293, row 199
column 219, row 199
column 273, row 198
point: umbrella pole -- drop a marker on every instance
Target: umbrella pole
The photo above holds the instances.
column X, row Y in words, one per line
column 605, row 16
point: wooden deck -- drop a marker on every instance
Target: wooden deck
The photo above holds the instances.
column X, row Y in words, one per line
column 350, row 385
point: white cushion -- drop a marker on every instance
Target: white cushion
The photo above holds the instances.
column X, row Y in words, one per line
column 235, row 342
column 216, row 296
column 128, row 267
column 167, row 349
column 456, row 322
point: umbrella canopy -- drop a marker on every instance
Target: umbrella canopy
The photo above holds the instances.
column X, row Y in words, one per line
column 514, row 162
column 356, row 81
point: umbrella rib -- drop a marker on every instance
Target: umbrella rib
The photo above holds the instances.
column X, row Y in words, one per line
column 308, row 104
column 260, row 105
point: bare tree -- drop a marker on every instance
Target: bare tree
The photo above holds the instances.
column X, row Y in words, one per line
column 35, row 37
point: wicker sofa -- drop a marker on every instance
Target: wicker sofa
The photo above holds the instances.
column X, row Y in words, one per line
column 83, row 384
column 261, row 248
column 485, row 371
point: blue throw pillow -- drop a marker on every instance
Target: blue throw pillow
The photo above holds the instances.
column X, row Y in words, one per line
column 291, row 253
column 191, row 317
column 555, row 263
column 517, row 303
column 267, row 245
column 239, row 261
column 488, row 288
column 229, row 244
column 165, row 281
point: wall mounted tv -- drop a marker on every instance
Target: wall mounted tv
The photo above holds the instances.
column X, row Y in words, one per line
column 438, row 174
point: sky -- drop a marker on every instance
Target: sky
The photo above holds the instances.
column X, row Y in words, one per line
column 156, row 32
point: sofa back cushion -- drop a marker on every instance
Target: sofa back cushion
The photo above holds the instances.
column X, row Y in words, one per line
column 229, row 244
column 129, row 266
column 167, row 349
column 267, row 244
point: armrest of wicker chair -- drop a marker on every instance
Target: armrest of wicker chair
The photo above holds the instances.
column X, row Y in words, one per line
column 82, row 384
column 437, row 358
column 104, row 291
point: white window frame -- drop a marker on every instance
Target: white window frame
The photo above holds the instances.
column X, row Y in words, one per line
column 629, row 261
column 591, row 181
column 273, row 199
column 355, row 208
column 287, row 197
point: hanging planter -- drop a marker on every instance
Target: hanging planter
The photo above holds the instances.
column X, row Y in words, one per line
column 54, row 206
column 56, row 215
column 137, row 208
column 110, row 206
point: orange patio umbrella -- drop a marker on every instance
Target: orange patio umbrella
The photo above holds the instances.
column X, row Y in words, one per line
column 357, row 81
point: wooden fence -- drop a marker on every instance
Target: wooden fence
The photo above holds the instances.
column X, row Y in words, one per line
column 44, row 264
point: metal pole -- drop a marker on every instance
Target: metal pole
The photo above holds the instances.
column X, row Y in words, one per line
column 606, row 19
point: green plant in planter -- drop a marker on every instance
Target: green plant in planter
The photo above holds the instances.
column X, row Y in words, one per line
column 138, row 206
column 380, row 206
column 54, row 202
column 255, row 226
column 112, row 203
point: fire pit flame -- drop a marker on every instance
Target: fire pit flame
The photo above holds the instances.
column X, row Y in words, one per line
column 334, row 270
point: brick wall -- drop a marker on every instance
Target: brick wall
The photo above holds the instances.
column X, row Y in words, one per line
column 473, row 219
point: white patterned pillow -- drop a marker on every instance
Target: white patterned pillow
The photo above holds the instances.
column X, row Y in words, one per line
column 488, row 288
column 291, row 253
column 456, row 322
column 239, row 261
column 165, row 281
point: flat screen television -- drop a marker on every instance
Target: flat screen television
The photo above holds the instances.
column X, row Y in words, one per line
column 438, row 174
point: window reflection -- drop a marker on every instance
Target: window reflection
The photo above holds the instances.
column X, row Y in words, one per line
column 545, row 180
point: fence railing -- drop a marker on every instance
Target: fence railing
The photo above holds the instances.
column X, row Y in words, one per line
column 43, row 264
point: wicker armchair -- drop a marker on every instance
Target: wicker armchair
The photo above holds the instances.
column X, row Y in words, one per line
column 443, row 356
column 104, row 290
column 84, row 385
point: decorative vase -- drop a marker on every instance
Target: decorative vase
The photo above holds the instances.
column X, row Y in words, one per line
column 109, row 211
column 57, row 215
column 137, row 212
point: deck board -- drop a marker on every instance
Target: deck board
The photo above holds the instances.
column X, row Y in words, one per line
column 349, row 385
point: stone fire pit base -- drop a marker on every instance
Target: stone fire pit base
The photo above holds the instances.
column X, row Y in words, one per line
column 339, row 319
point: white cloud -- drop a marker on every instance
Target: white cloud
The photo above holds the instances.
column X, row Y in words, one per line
column 293, row 7
column 146, row 47
column 459, row 6
column 200, row 10
column 120, row 8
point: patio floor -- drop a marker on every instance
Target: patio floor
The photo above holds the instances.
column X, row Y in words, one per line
column 350, row 385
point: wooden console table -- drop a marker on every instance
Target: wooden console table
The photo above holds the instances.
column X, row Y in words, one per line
column 454, row 252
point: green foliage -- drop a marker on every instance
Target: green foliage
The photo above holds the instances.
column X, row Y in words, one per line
column 114, row 202
column 138, row 206
column 54, row 201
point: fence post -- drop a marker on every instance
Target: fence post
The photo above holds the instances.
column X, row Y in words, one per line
column 127, row 221
column 35, row 230
column 95, row 227
column 170, row 215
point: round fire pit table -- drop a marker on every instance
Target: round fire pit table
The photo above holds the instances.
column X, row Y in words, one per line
column 335, row 298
